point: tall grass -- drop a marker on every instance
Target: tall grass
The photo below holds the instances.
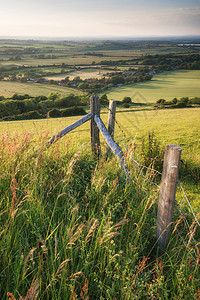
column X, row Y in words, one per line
column 71, row 227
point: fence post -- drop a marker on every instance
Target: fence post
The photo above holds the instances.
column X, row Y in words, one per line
column 111, row 121
column 95, row 110
column 167, row 194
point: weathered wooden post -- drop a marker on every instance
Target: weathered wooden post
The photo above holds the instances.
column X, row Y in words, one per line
column 167, row 194
column 111, row 121
column 95, row 110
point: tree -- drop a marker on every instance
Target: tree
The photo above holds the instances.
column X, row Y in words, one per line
column 104, row 99
column 117, row 79
column 77, row 79
column 175, row 100
column 53, row 96
column 161, row 101
column 2, row 98
column 83, row 86
column 66, row 79
column 184, row 100
column 126, row 105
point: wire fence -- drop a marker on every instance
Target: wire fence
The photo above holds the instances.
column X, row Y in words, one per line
column 186, row 224
column 51, row 125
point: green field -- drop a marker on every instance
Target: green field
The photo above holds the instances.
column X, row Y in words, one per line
column 7, row 89
column 69, row 60
column 171, row 126
column 167, row 85
column 83, row 74
column 174, row 126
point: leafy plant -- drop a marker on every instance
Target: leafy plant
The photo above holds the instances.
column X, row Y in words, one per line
column 152, row 152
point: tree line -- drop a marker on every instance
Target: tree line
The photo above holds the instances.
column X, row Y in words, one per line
column 20, row 107
column 178, row 103
column 28, row 107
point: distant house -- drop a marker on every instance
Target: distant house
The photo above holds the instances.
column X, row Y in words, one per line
column 30, row 79
column 152, row 72
column 62, row 82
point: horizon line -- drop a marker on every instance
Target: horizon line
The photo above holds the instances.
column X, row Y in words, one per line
column 91, row 38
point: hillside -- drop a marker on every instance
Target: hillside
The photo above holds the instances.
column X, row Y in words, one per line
column 72, row 227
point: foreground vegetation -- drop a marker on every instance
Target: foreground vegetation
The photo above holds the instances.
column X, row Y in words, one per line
column 73, row 228
column 171, row 126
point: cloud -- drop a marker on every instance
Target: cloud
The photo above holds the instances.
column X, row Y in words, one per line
column 60, row 18
column 171, row 21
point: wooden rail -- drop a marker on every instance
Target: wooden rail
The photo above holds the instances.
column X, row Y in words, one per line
column 111, row 121
column 112, row 145
column 66, row 130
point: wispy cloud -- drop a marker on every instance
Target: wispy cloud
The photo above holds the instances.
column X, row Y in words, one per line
column 101, row 18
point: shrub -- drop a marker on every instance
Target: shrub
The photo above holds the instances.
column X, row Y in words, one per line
column 125, row 105
column 152, row 152
column 40, row 98
column 53, row 96
column 127, row 100
column 181, row 105
column 85, row 100
column 32, row 115
column 195, row 100
column 175, row 100
column 54, row 113
column 161, row 101
column 73, row 111
column 20, row 97
column 68, row 101
column 104, row 99
column 184, row 100
column 25, row 116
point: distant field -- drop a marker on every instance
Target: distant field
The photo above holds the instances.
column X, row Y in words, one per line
column 166, row 85
column 83, row 74
column 69, row 60
column 8, row 88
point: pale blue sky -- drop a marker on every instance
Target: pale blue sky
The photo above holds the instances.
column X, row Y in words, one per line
column 99, row 18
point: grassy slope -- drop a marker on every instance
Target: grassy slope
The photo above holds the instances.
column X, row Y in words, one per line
column 7, row 89
column 166, row 85
column 178, row 126
column 71, row 228
column 175, row 126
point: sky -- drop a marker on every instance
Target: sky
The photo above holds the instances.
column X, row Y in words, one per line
column 99, row 18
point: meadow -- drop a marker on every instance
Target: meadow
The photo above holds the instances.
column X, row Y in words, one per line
column 166, row 85
column 170, row 126
column 72, row 227
column 7, row 89
column 83, row 74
